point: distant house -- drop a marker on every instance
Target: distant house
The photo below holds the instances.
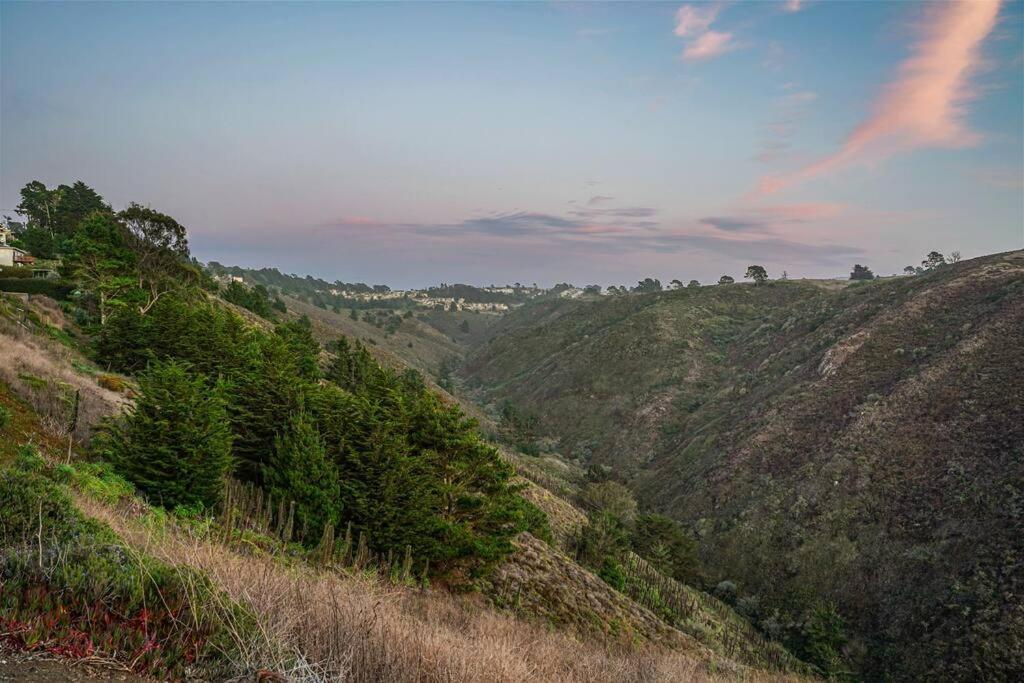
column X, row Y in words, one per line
column 5, row 235
column 12, row 256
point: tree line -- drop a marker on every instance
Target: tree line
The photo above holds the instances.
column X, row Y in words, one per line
column 349, row 441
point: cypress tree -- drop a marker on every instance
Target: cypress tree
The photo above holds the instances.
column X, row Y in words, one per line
column 174, row 444
column 299, row 470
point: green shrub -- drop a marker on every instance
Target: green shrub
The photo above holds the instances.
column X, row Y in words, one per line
column 70, row 587
column 174, row 444
column 5, row 417
column 15, row 272
column 55, row 289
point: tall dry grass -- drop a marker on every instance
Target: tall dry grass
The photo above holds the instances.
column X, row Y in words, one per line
column 356, row 628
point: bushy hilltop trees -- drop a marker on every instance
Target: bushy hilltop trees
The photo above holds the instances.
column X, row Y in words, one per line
column 351, row 442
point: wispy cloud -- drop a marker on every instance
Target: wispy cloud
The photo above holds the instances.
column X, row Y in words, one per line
column 693, row 24
column 599, row 199
column 926, row 104
column 777, row 135
column 772, row 218
column 793, row 5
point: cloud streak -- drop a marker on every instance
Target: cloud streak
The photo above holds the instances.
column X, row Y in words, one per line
column 926, row 103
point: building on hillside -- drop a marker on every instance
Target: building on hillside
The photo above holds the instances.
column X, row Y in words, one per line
column 12, row 256
column 6, row 235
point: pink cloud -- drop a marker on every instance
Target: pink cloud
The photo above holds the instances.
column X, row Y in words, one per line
column 693, row 23
column 708, row 45
column 793, row 5
column 692, row 20
column 926, row 104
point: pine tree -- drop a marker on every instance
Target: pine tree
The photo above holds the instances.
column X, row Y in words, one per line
column 174, row 444
column 300, row 471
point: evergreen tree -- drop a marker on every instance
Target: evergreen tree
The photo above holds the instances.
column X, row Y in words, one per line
column 664, row 544
column 299, row 471
column 174, row 444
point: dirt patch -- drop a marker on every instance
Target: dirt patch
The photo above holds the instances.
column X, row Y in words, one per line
column 24, row 667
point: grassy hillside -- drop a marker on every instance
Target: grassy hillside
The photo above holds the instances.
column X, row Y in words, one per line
column 861, row 446
column 576, row 628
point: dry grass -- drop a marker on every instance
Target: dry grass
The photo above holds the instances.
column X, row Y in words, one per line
column 356, row 628
column 39, row 370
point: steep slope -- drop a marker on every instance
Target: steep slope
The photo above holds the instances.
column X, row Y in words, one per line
column 862, row 446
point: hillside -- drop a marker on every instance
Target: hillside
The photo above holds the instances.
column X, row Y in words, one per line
column 576, row 628
column 860, row 445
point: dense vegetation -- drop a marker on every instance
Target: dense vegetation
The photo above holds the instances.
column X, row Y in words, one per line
column 850, row 461
column 72, row 588
column 348, row 441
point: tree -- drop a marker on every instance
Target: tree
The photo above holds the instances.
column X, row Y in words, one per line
column 160, row 247
column 954, row 257
column 726, row 280
column 74, row 205
column 592, row 289
column 934, row 259
column 298, row 470
column 648, row 285
column 664, row 544
column 610, row 497
column 676, row 284
column 464, row 327
column 757, row 274
column 174, row 444
column 693, row 283
column 102, row 263
column 861, row 273
column 784, row 276
column 39, row 206
column 909, row 270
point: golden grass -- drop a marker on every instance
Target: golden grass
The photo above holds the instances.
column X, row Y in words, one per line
column 357, row 628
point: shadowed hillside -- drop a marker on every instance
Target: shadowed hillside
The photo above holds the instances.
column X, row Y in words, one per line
column 861, row 446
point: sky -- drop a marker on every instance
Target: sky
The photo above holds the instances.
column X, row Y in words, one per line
column 417, row 143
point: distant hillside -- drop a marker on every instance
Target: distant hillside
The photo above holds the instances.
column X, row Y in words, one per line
column 863, row 446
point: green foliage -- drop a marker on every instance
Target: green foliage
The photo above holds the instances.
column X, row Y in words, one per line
column 71, row 587
column 5, row 417
column 103, row 264
column 256, row 299
column 861, row 273
column 822, row 640
column 605, row 538
column 299, row 471
column 610, row 497
column 663, row 543
column 174, row 444
column 648, row 285
column 757, row 274
column 55, row 289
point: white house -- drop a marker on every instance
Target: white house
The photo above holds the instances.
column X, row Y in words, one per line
column 12, row 256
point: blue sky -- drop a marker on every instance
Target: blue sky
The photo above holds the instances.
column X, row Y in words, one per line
column 412, row 143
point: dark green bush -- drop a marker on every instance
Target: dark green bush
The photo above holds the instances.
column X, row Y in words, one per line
column 55, row 289
column 174, row 444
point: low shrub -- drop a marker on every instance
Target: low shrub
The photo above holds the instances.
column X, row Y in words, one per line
column 15, row 272
column 72, row 588
column 5, row 417
column 113, row 383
